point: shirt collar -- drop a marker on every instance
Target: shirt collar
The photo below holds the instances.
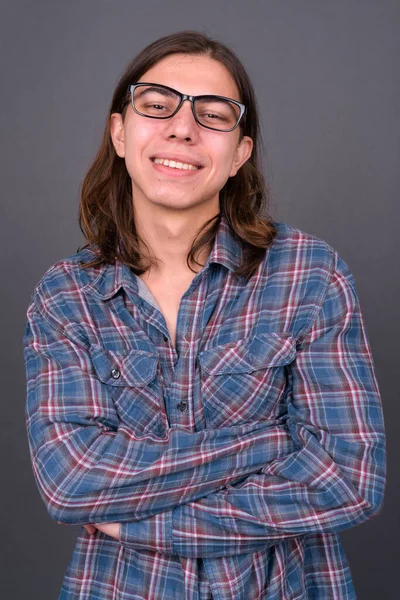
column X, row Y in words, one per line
column 227, row 251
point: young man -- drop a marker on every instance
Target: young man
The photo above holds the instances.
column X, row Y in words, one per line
column 212, row 428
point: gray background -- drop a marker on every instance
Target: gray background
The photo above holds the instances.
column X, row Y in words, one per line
column 327, row 81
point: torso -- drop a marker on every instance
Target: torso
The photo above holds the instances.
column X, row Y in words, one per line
column 168, row 294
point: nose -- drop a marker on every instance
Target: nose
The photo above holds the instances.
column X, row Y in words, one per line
column 183, row 124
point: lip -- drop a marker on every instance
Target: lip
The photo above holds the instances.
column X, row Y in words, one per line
column 179, row 158
column 172, row 172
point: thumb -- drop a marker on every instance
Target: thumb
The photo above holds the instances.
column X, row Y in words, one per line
column 90, row 529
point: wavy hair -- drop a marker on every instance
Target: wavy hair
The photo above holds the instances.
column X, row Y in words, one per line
column 106, row 216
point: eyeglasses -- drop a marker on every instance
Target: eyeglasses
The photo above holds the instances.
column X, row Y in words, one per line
column 158, row 101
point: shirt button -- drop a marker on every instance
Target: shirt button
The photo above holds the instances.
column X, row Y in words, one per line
column 182, row 406
column 115, row 373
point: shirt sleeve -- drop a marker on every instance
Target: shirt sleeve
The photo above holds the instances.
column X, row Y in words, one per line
column 88, row 464
column 336, row 477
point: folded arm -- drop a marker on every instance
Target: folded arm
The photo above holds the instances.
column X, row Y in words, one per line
column 333, row 480
column 88, row 464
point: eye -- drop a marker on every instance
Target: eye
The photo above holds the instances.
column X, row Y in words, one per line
column 212, row 116
column 156, row 106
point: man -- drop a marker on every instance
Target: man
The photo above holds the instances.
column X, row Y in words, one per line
column 212, row 432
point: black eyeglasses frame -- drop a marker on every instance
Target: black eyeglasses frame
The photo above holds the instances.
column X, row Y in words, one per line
column 183, row 97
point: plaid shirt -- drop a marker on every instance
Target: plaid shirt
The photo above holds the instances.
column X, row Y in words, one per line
column 233, row 460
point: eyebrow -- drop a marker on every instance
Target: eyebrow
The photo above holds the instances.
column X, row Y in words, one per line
column 169, row 93
column 216, row 98
column 153, row 88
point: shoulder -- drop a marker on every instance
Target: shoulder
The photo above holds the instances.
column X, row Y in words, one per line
column 294, row 240
column 304, row 272
column 301, row 249
column 60, row 288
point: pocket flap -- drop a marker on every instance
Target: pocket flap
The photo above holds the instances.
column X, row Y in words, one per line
column 249, row 354
column 135, row 368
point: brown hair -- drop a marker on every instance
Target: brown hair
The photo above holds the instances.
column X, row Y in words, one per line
column 106, row 210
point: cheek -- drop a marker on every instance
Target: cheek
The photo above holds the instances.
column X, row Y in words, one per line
column 222, row 160
column 222, row 150
column 137, row 142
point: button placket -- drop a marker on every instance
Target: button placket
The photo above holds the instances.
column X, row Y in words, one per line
column 188, row 328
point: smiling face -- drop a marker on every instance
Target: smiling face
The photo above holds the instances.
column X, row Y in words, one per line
column 139, row 139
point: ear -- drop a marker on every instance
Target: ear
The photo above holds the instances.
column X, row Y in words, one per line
column 117, row 134
column 242, row 153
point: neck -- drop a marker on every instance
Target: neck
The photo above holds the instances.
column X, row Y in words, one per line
column 169, row 238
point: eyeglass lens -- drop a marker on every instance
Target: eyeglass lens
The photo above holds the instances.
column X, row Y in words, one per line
column 211, row 111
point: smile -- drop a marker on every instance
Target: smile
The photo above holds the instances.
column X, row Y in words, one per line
column 174, row 164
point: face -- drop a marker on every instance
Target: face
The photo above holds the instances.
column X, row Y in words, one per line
column 139, row 139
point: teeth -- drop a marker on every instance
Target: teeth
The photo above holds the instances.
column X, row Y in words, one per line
column 174, row 164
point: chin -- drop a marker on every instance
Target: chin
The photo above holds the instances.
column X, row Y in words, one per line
column 174, row 202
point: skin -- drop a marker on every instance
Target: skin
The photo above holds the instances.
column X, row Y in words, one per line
column 170, row 210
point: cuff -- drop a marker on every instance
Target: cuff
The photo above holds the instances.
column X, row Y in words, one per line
column 154, row 533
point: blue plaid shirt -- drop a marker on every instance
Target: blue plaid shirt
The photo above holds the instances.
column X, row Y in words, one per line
column 233, row 460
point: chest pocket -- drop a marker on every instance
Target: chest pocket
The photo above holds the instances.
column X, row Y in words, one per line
column 243, row 381
column 131, row 377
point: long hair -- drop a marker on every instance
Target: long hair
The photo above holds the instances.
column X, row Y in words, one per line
column 106, row 216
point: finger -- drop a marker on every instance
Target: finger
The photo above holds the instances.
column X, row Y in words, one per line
column 90, row 529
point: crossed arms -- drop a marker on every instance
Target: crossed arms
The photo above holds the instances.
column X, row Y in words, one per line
column 220, row 492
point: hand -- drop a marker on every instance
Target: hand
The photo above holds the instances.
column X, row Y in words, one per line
column 111, row 529
column 89, row 528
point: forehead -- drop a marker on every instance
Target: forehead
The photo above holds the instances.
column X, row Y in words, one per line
column 193, row 75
